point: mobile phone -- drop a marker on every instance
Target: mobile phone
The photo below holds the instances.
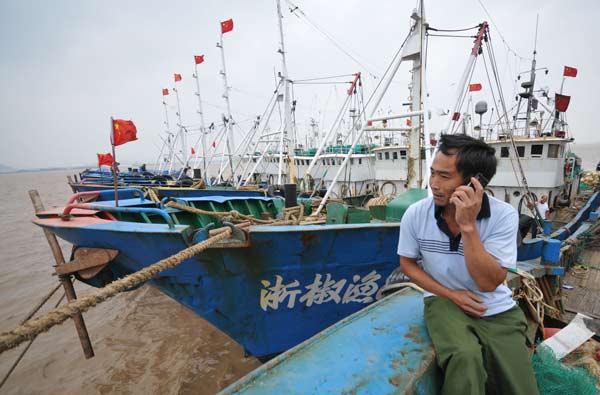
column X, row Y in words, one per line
column 481, row 178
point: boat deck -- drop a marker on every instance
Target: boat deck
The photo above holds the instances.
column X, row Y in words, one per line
column 585, row 295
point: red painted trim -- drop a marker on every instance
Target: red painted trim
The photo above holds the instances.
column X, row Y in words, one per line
column 82, row 194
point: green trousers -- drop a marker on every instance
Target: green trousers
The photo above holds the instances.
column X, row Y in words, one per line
column 480, row 355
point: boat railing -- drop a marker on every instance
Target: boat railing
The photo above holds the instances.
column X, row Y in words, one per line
column 106, row 194
column 144, row 211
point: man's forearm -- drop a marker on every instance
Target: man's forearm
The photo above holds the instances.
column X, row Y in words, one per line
column 422, row 279
column 483, row 268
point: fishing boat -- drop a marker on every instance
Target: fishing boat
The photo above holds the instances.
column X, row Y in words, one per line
column 290, row 269
column 271, row 286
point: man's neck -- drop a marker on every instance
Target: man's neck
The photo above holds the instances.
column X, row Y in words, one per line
column 449, row 212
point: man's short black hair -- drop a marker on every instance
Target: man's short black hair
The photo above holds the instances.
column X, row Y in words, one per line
column 473, row 155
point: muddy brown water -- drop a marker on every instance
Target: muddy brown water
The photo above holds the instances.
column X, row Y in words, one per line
column 144, row 341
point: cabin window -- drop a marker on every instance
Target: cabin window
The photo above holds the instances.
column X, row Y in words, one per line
column 351, row 161
column 360, row 161
column 403, row 154
column 254, row 160
column 553, row 150
column 387, row 156
column 536, row 150
column 504, row 152
column 379, row 155
column 395, row 155
column 324, row 162
column 521, row 150
column 561, row 155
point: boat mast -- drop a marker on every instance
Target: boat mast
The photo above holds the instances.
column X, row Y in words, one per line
column 284, row 139
column 414, row 180
column 181, row 129
column 531, row 82
column 201, row 114
column 228, row 121
column 455, row 115
column 166, row 123
column 408, row 52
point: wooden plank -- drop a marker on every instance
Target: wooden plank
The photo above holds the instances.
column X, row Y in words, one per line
column 87, row 258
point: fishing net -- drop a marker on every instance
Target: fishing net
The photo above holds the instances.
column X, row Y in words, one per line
column 554, row 378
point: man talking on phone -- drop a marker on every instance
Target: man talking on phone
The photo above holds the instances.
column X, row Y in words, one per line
column 466, row 241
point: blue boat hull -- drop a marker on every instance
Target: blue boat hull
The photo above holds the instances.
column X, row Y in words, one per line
column 288, row 284
column 383, row 349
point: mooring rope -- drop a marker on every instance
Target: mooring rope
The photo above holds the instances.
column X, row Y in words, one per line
column 31, row 328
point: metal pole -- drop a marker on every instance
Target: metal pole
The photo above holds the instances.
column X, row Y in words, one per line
column 115, row 168
column 181, row 132
column 160, row 165
column 287, row 109
column 230, row 140
column 202, row 127
column 463, row 80
column 65, row 280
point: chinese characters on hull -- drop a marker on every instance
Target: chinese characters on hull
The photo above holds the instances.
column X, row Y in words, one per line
column 323, row 289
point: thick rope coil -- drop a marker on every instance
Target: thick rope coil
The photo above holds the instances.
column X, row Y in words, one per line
column 31, row 328
column 378, row 201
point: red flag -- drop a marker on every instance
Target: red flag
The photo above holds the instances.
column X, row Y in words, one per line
column 570, row 72
column 561, row 102
column 474, row 87
column 408, row 122
column 456, row 116
column 123, row 132
column 177, row 77
column 165, row 91
column 193, row 151
column 226, row 26
column 105, row 159
column 214, row 144
column 198, row 59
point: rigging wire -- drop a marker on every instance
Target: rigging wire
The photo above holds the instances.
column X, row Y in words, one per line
column 295, row 10
column 500, row 34
column 322, row 78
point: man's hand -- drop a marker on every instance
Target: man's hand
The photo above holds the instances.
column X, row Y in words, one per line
column 468, row 203
column 468, row 302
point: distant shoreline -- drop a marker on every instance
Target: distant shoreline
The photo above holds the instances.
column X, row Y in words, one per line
column 15, row 171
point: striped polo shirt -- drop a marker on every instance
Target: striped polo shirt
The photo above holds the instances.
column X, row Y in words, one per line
column 425, row 236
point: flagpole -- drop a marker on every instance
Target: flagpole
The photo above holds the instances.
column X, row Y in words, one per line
column 180, row 124
column 115, row 169
column 164, row 102
column 230, row 139
column 202, row 127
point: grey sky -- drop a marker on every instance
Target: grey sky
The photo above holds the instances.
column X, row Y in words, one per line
column 67, row 66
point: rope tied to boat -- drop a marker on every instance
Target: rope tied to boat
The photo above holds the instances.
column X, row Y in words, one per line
column 291, row 215
column 34, row 327
column 533, row 296
column 218, row 214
